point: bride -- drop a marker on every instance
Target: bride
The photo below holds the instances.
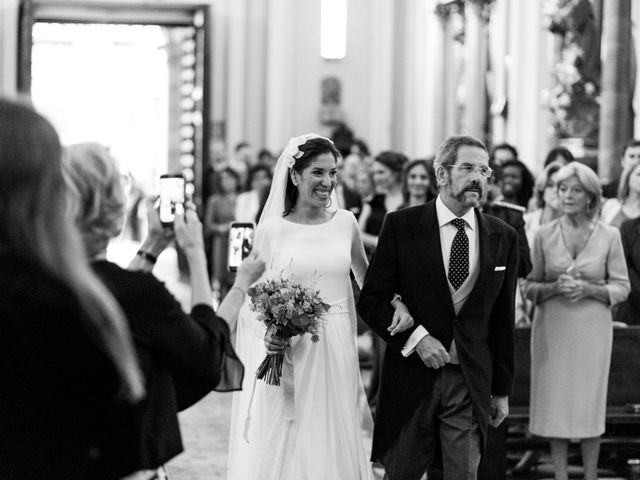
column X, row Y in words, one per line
column 309, row 427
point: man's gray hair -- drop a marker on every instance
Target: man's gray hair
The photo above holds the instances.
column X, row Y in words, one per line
column 447, row 153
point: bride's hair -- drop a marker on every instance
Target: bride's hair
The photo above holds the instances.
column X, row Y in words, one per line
column 310, row 150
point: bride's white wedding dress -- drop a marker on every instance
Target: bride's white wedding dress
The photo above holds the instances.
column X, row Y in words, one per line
column 320, row 437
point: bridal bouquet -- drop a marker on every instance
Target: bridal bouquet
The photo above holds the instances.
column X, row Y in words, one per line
column 294, row 308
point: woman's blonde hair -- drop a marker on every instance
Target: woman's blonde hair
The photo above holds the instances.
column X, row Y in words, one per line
column 98, row 194
column 35, row 224
column 589, row 181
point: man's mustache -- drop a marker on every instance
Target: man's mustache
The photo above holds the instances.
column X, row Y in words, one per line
column 473, row 187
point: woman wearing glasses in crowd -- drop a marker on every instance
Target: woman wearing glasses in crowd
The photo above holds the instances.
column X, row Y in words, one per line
column 579, row 272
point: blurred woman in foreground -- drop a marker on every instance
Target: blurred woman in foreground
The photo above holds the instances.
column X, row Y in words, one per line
column 183, row 356
column 66, row 357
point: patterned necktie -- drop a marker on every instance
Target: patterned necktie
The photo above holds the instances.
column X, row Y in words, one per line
column 459, row 257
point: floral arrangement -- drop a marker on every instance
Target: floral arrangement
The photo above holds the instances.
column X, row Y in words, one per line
column 574, row 100
column 573, row 103
column 295, row 309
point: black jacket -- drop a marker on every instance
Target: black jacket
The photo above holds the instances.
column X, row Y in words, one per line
column 408, row 261
column 183, row 358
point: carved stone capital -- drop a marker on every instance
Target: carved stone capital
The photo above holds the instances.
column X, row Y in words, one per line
column 444, row 10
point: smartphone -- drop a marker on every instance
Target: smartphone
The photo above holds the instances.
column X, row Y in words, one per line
column 172, row 197
column 240, row 243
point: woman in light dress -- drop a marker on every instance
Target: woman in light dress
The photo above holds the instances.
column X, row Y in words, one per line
column 579, row 272
column 310, row 426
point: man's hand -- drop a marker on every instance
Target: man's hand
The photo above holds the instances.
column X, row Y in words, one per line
column 432, row 352
column 499, row 410
column 402, row 319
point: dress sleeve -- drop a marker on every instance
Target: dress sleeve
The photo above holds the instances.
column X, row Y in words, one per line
column 195, row 347
column 533, row 283
column 617, row 276
column 359, row 262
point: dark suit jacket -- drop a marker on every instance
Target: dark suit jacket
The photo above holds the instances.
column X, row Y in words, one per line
column 629, row 310
column 183, row 358
column 57, row 384
column 513, row 217
column 408, row 261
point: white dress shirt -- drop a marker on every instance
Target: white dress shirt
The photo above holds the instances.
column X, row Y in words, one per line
column 447, row 231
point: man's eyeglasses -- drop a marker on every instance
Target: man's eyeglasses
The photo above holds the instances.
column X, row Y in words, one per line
column 468, row 169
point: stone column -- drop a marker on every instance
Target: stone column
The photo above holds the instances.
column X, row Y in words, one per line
column 236, row 74
column 615, row 98
column 475, row 68
column 452, row 25
column 280, row 85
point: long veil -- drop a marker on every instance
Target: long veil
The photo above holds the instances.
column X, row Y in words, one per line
column 250, row 333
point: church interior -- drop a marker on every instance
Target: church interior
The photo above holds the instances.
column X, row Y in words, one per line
column 183, row 85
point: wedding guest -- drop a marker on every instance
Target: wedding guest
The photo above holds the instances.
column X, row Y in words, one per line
column 627, row 204
column 418, row 180
column 561, row 155
column 387, row 176
column 243, row 160
column 265, row 157
column 545, row 193
column 387, row 171
column 501, row 153
column 517, row 183
column 628, row 311
column 219, row 213
column 184, row 355
column 578, row 273
column 630, row 156
column 349, row 169
column 365, row 185
column 67, row 361
column 348, row 198
column 250, row 202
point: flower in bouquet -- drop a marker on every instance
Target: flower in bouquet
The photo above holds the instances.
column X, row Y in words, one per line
column 293, row 308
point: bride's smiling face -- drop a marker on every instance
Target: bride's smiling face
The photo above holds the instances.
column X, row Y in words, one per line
column 316, row 182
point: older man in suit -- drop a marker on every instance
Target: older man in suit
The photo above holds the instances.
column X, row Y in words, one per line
column 450, row 374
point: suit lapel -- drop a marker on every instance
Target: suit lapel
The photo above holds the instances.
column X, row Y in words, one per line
column 426, row 235
column 488, row 241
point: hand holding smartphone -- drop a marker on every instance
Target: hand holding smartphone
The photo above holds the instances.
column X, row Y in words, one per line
column 240, row 243
column 172, row 197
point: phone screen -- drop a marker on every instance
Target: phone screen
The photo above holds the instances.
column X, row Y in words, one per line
column 171, row 197
column 240, row 243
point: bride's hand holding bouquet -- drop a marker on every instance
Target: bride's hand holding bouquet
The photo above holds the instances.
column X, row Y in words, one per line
column 287, row 308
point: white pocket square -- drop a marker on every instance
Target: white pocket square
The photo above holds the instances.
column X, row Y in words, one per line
column 499, row 268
